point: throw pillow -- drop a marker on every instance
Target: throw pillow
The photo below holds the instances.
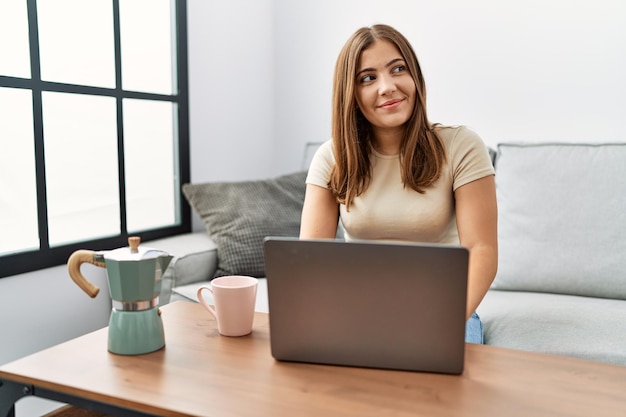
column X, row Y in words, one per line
column 239, row 215
column 561, row 218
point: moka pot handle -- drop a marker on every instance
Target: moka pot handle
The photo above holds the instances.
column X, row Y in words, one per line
column 78, row 258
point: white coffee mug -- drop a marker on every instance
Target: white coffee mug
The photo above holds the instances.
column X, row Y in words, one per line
column 234, row 298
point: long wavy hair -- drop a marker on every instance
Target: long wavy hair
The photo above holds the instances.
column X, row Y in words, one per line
column 422, row 154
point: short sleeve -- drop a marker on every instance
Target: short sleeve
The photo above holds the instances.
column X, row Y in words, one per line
column 469, row 158
column 321, row 165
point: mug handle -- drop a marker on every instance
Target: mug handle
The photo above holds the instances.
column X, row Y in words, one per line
column 204, row 303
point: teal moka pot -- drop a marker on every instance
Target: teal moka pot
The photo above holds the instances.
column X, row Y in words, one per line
column 134, row 277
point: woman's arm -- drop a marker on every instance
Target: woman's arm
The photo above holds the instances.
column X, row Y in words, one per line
column 477, row 222
column 320, row 214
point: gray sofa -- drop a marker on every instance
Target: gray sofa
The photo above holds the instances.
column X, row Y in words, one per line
column 561, row 282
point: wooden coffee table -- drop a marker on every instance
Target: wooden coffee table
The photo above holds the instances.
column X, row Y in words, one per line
column 200, row 373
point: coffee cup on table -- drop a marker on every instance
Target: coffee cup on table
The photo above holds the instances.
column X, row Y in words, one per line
column 234, row 299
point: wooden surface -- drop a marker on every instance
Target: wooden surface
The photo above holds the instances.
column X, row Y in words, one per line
column 201, row 373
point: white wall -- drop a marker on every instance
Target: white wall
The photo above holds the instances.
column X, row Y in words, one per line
column 231, row 89
column 538, row 70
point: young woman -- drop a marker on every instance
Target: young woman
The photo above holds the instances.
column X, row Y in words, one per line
column 389, row 174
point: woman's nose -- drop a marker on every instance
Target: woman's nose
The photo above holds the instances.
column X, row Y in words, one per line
column 386, row 85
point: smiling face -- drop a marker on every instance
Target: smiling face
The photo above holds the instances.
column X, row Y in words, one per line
column 385, row 89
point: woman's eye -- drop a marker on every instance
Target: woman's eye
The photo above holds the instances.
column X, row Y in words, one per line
column 367, row 78
column 399, row 68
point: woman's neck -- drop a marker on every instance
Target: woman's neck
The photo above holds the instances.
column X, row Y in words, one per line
column 386, row 141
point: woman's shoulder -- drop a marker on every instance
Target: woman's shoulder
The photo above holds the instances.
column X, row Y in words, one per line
column 321, row 164
column 460, row 141
column 318, row 150
column 454, row 133
column 468, row 154
column 327, row 146
column 325, row 150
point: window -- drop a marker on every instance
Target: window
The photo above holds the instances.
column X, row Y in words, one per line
column 94, row 142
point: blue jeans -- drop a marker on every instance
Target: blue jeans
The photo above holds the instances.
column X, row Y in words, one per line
column 474, row 330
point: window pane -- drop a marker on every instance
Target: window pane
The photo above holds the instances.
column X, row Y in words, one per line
column 147, row 45
column 14, row 49
column 150, row 141
column 80, row 140
column 18, row 193
column 151, row 168
column 76, row 42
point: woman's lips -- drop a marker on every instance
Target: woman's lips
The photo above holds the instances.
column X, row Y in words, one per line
column 390, row 104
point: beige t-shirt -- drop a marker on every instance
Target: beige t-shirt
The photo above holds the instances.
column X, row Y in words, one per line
column 389, row 211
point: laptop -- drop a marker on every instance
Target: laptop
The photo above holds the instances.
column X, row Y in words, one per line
column 367, row 304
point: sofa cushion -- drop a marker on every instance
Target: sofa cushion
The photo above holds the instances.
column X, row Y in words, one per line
column 582, row 327
column 239, row 215
column 562, row 218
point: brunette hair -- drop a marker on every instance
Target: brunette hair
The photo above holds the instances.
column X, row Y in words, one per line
column 422, row 154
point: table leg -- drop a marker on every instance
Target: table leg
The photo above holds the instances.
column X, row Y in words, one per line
column 10, row 392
